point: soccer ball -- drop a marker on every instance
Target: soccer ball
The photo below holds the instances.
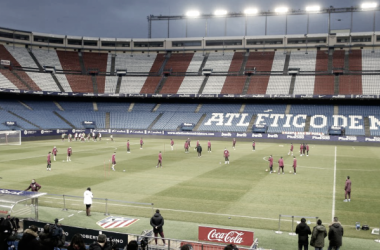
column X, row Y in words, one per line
column 290, row 172
column 266, row 170
column 220, row 162
column 124, row 170
column 274, row 171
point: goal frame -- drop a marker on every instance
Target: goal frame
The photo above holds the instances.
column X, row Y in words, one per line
column 10, row 137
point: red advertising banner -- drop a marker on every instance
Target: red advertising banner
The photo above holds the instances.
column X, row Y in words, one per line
column 225, row 236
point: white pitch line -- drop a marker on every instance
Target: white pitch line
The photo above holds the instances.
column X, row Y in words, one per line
column 80, row 212
column 70, row 215
column 61, row 219
column 334, row 189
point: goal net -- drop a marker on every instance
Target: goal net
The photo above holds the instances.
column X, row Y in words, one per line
column 10, row 137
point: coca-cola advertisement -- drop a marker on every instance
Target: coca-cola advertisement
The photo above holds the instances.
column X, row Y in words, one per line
column 225, row 236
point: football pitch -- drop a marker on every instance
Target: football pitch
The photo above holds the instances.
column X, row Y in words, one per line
column 191, row 190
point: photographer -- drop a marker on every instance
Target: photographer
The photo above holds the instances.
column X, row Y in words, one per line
column 103, row 244
column 56, row 234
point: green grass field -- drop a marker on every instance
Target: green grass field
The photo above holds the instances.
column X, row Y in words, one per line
column 191, row 191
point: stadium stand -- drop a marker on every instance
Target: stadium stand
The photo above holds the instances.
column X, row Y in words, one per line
column 258, row 85
column 172, row 85
column 190, row 85
column 179, row 62
column 22, row 56
column 47, row 58
column 134, row 62
column 239, row 123
column 265, row 108
column 64, row 82
column 171, row 120
column 370, row 60
column 234, row 85
column 278, row 62
column 306, row 62
column 5, row 83
column 110, row 84
column 359, row 110
column 263, row 61
column 12, row 105
column 94, row 60
column 214, row 85
column 312, row 109
column 44, row 81
column 304, row 85
column 281, row 125
column 177, row 107
column 322, row 61
column 338, row 59
column 355, row 60
column 6, row 116
column 321, row 123
column 324, row 85
column 134, row 120
column 69, row 60
column 133, row 85
column 113, row 106
column 43, row 118
column 80, row 106
column 196, row 62
column 370, row 84
column 13, row 79
column 220, row 108
column 150, row 85
column 350, row 84
column 77, row 117
column 143, row 107
column 279, row 85
column 100, row 83
column 41, row 105
column 237, row 61
column 219, row 61
column 80, row 83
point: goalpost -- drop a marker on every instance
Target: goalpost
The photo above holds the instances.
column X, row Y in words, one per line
column 10, row 137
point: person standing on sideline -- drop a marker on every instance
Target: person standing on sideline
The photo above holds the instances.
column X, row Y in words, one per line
column 253, row 145
column 172, row 144
column 157, row 222
column 209, row 146
column 233, row 143
column 318, row 236
column 48, row 167
column 100, row 136
column 335, row 235
column 186, row 147
column 69, row 153
column 199, row 150
column 280, row 165
column 307, row 149
column 88, row 200
column 347, row 189
column 270, row 164
column 188, row 141
column 301, row 149
column 113, row 159
column 111, row 137
column 141, row 143
column 196, row 147
column 295, row 164
column 226, row 156
column 159, row 160
column 55, row 151
column 303, row 230
column 34, row 187
column 291, row 149
column 128, row 147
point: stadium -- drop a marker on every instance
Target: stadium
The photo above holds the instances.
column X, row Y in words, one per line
column 136, row 98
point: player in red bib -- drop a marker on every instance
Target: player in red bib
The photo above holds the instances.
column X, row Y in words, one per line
column 55, row 151
column 347, row 189
column 253, row 145
column 186, row 147
column 113, row 161
column 69, row 153
column 233, row 143
column 281, row 165
column 301, row 148
column 128, row 147
column 209, row 146
column 188, row 141
column 291, row 149
column 294, row 164
column 270, row 164
column 141, row 143
column 48, row 167
column 172, row 144
column 226, row 156
column 196, row 145
column 159, row 160
column 307, row 149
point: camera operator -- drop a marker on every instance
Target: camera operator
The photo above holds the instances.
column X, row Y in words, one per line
column 103, row 244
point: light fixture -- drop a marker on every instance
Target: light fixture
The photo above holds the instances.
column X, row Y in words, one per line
column 220, row 13
column 192, row 13
column 250, row 11
column 281, row 10
column 313, row 8
column 368, row 5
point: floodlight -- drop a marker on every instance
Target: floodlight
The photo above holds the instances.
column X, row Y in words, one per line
column 250, row 11
column 313, row 8
column 369, row 5
column 281, row 10
column 220, row 13
column 192, row 13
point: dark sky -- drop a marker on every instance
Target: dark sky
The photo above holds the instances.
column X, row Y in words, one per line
column 128, row 18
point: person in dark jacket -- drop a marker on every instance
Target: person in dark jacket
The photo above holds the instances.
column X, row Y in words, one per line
column 335, row 235
column 318, row 236
column 157, row 222
column 101, row 243
column 46, row 241
column 303, row 230
column 29, row 240
column 77, row 243
column 199, row 150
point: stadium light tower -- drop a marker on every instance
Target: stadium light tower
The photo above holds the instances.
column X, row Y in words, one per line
column 281, row 10
column 368, row 5
column 192, row 13
column 313, row 8
column 249, row 12
column 220, row 12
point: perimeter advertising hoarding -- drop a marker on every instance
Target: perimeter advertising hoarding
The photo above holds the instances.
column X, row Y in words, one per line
column 225, row 236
